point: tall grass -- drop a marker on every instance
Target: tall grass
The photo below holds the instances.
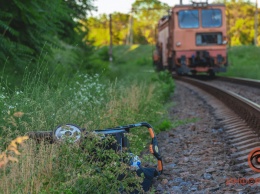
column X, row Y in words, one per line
column 91, row 102
column 244, row 62
column 66, row 168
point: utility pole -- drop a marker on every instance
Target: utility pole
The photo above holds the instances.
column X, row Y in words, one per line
column 129, row 29
column 130, row 32
column 111, row 41
column 256, row 23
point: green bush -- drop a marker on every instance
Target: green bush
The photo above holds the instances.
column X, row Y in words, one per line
column 166, row 83
column 165, row 125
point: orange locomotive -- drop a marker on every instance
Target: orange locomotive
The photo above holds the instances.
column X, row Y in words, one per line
column 192, row 39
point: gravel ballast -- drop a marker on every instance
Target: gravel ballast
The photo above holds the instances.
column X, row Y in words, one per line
column 197, row 157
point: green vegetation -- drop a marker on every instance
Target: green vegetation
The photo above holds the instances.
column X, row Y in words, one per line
column 52, row 74
column 32, row 31
column 90, row 101
column 243, row 62
column 240, row 16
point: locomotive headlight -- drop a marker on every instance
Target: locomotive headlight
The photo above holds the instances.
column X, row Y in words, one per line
column 178, row 43
column 225, row 40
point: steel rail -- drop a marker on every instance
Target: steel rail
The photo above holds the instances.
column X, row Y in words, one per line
column 242, row 81
column 247, row 110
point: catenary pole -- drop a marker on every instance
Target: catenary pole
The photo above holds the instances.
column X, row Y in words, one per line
column 111, row 40
column 256, row 23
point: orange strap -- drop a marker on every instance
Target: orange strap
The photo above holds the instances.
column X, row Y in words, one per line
column 160, row 166
column 151, row 132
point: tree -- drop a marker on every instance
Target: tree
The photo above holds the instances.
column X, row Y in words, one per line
column 29, row 27
column 99, row 28
column 25, row 27
column 146, row 15
column 240, row 21
column 120, row 27
column 70, row 22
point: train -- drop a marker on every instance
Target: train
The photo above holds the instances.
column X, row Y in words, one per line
column 192, row 39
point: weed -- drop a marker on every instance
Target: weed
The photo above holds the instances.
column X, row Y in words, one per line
column 165, row 125
column 11, row 150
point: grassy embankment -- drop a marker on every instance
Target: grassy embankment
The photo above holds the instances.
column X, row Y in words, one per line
column 244, row 62
column 128, row 92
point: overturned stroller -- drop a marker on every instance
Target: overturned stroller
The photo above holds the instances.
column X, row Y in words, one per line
column 75, row 134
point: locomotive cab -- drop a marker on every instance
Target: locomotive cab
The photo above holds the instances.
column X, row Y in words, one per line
column 193, row 39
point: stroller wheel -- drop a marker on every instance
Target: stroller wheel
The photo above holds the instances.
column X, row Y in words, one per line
column 69, row 132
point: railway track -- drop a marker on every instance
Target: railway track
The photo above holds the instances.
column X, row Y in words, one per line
column 239, row 116
column 242, row 81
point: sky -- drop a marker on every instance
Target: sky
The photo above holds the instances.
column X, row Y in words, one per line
column 124, row 6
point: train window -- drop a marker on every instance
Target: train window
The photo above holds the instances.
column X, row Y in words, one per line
column 188, row 18
column 211, row 18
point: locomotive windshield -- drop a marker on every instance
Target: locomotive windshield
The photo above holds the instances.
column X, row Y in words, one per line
column 188, row 18
column 211, row 18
